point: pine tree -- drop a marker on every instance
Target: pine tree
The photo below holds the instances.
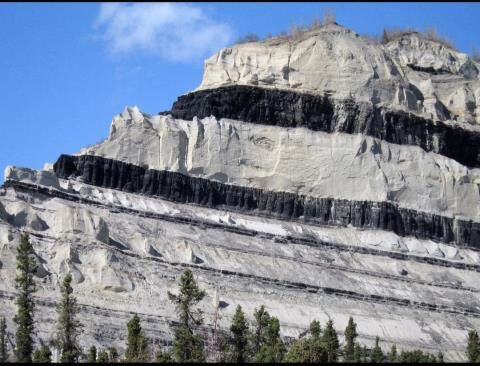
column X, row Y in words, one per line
column 42, row 355
column 187, row 346
column 350, row 335
column 92, row 354
column 377, row 353
column 68, row 327
column 309, row 350
column 24, row 283
column 357, row 353
column 392, row 356
column 239, row 329
column 330, row 339
column 163, row 357
column 102, row 357
column 113, row 355
column 274, row 349
column 3, row 341
column 440, row 357
column 473, row 346
column 261, row 320
column 137, row 342
column 364, row 354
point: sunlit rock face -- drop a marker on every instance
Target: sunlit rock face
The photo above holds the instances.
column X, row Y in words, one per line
column 323, row 176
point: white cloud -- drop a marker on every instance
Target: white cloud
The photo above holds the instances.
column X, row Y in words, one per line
column 174, row 31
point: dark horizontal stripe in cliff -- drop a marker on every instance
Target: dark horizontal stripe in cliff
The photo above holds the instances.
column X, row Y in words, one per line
column 290, row 109
column 181, row 188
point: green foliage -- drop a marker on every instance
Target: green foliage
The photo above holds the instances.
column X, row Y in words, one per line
column 377, row 353
column 113, row 355
column 358, row 355
column 440, row 357
column 163, row 357
column 473, row 346
column 103, row 357
column 261, row 320
column 309, row 350
column 68, row 327
column 392, row 356
column 274, row 349
column 330, row 339
column 137, row 342
column 239, row 329
column 416, row 356
column 350, row 335
column 24, row 283
column 92, row 354
column 187, row 346
column 42, row 355
column 3, row 341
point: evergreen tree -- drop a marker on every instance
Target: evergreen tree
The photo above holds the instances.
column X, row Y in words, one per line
column 68, row 327
column 440, row 357
column 473, row 346
column 357, row 353
column 392, row 356
column 350, row 335
column 377, row 353
column 416, row 356
column 92, row 355
column 261, row 319
column 42, row 355
column 187, row 346
column 113, row 355
column 24, row 283
column 309, row 350
column 364, row 354
column 274, row 349
column 103, row 357
column 137, row 342
column 330, row 339
column 163, row 357
column 3, row 341
column 239, row 329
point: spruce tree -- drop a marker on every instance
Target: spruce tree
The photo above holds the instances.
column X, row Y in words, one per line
column 68, row 327
column 102, row 357
column 92, row 355
column 330, row 339
column 392, row 356
column 239, row 329
column 261, row 319
column 3, row 341
column 350, row 335
column 187, row 346
column 274, row 349
column 42, row 355
column 440, row 357
column 163, row 357
column 24, row 283
column 113, row 355
column 309, row 350
column 377, row 353
column 137, row 346
column 473, row 346
column 357, row 353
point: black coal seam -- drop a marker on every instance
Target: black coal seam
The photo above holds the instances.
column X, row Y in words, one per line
column 21, row 186
column 177, row 187
column 293, row 109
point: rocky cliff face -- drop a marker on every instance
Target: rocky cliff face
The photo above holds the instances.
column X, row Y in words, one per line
column 323, row 176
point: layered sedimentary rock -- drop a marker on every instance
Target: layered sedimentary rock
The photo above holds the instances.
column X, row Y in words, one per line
column 322, row 175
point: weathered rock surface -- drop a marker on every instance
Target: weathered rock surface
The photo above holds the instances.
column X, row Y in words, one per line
column 323, row 176
column 409, row 73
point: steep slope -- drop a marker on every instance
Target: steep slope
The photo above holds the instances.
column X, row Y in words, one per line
column 324, row 176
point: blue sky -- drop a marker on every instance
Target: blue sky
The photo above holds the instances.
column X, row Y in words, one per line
column 67, row 69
